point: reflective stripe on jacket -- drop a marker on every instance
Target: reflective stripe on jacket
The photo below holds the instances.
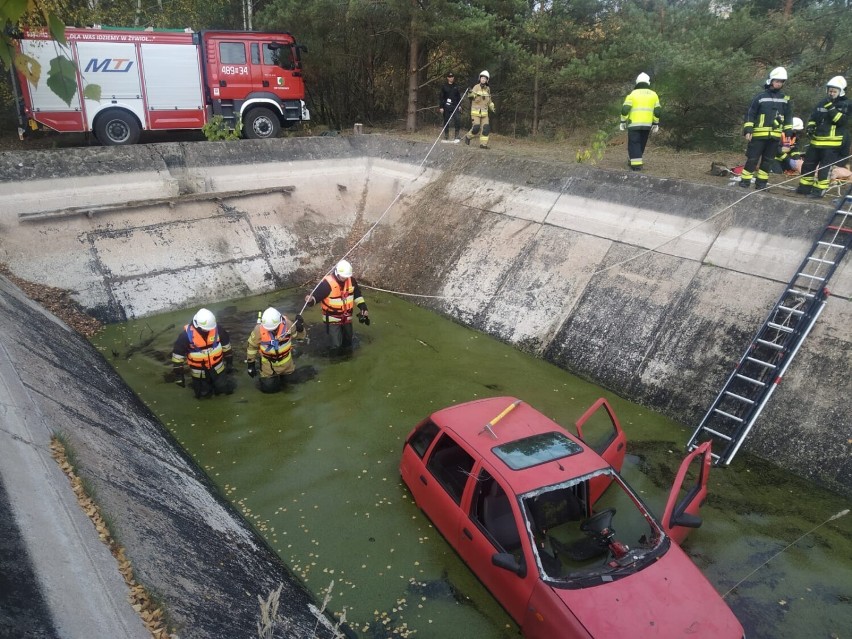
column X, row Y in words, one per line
column 641, row 109
column 337, row 305
column 275, row 348
column 205, row 352
column 768, row 115
column 829, row 121
column 480, row 100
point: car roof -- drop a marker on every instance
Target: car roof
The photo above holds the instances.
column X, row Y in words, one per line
column 466, row 422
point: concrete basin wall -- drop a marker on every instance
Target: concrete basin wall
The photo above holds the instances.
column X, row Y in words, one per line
column 647, row 286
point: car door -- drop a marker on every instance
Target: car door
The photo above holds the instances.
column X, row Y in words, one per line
column 688, row 494
column 599, row 429
column 494, row 543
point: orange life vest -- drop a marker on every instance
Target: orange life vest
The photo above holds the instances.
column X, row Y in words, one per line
column 275, row 348
column 337, row 306
column 205, row 353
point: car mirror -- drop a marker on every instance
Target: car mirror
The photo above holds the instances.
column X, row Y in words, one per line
column 507, row 561
column 687, row 520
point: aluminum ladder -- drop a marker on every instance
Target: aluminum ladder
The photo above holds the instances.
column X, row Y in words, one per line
column 735, row 410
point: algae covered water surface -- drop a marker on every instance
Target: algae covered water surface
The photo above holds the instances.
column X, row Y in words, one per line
column 315, row 469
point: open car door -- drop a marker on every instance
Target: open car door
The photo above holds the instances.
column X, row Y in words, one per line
column 688, row 494
column 599, row 429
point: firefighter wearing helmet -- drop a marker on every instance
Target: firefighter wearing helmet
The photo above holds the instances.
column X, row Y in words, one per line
column 269, row 349
column 640, row 116
column 769, row 116
column 480, row 104
column 828, row 139
column 205, row 348
column 339, row 294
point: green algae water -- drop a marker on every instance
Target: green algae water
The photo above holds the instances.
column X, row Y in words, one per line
column 315, row 469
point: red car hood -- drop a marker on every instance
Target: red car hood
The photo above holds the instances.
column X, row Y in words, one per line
column 670, row 598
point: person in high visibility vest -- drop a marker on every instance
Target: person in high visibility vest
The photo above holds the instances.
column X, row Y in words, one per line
column 826, row 130
column 480, row 105
column 205, row 348
column 790, row 155
column 769, row 115
column 339, row 294
column 640, row 116
column 270, row 347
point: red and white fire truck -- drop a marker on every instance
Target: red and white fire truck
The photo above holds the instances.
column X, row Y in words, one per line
column 164, row 80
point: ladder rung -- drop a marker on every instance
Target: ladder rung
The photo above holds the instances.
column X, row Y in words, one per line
column 800, row 293
column 813, row 277
column 778, row 327
column 821, row 261
column 792, row 311
column 749, row 379
column 740, row 397
column 717, row 433
column 721, row 412
column 831, row 245
column 761, row 362
column 770, row 344
column 839, row 229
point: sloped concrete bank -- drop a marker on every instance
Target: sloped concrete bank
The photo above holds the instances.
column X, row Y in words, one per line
column 189, row 548
column 650, row 287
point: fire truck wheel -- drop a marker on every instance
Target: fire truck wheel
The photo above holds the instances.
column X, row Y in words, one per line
column 114, row 127
column 261, row 124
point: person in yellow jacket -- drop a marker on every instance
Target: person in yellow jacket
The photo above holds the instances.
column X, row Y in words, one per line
column 339, row 294
column 480, row 105
column 271, row 346
column 640, row 116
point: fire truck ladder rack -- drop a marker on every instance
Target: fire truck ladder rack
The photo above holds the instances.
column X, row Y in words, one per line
column 740, row 402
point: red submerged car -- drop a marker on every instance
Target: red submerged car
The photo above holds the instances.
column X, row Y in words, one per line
column 546, row 522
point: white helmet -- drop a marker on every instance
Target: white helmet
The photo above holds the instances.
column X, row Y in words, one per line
column 204, row 320
column 838, row 82
column 778, row 73
column 343, row 270
column 270, row 319
column 798, row 125
column 486, row 74
column 643, row 77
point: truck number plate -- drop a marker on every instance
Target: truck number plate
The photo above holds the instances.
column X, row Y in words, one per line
column 234, row 70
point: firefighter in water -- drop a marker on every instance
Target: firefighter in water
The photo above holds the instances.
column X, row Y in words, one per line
column 339, row 294
column 640, row 116
column 271, row 345
column 480, row 105
column 769, row 116
column 826, row 128
column 206, row 349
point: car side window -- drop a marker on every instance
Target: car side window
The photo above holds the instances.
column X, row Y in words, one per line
column 450, row 464
column 491, row 509
column 423, row 437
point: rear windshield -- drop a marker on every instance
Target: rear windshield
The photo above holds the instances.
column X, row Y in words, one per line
column 538, row 449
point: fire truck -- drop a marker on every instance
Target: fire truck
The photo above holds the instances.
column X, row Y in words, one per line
column 160, row 80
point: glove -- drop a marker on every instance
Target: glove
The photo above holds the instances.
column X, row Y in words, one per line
column 493, row 108
column 251, row 368
column 180, row 380
column 655, row 128
column 299, row 324
column 229, row 365
column 811, row 130
column 622, row 126
column 364, row 318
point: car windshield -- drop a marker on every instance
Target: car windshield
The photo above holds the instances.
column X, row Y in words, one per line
column 577, row 546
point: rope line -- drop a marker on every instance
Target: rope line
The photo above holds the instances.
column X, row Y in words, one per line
column 654, row 249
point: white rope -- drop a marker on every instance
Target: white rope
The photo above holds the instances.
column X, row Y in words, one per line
column 653, row 249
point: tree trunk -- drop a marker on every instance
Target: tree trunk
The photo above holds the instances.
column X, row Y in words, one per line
column 788, row 8
column 536, row 85
column 413, row 57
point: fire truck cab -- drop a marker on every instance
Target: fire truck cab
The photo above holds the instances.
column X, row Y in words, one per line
column 162, row 80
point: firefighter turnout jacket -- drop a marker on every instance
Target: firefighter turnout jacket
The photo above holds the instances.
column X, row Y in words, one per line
column 339, row 298
column 480, row 101
column 769, row 114
column 275, row 346
column 827, row 123
column 201, row 351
